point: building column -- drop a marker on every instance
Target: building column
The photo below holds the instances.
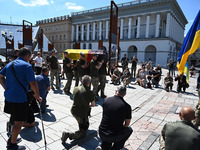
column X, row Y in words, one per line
column 93, row 31
column 82, row 32
column 72, row 36
column 167, row 24
column 107, row 23
column 121, row 28
column 147, row 26
column 138, row 27
column 100, row 30
column 87, row 45
column 77, row 32
column 81, row 46
column 157, row 25
column 129, row 27
column 88, row 31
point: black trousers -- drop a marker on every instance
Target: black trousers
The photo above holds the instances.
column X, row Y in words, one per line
column 116, row 141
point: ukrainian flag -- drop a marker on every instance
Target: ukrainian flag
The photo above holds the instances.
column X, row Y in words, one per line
column 186, row 71
column 190, row 44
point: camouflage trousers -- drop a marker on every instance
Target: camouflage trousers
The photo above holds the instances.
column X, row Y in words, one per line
column 83, row 123
column 69, row 82
column 52, row 74
column 196, row 121
column 95, row 84
column 102, row 81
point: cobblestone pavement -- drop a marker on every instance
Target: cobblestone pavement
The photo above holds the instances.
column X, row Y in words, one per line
column 151, row 109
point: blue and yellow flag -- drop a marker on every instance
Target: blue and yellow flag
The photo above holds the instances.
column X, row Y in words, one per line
column 186, row 71
column 190, row 44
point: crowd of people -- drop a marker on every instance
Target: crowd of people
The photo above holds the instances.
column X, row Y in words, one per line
column 27, row 72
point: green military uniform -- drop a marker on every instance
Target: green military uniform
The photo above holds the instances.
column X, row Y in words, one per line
column 75, row 69
column 69, row 74
column 82, row 97
column 180, row 135
column 81, row 71
column 118, row 74
column 94, row 73
column 170, row 84
column 196, row 121
column 102, row 79
column 54, row 70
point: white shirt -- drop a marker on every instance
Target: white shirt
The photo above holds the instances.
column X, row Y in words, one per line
column 38, row 61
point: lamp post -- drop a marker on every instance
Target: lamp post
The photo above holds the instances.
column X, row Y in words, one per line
column 4, row 33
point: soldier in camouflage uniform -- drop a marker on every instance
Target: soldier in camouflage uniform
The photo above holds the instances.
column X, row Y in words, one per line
column 53, row 66
column 196, row 121
column 102, row 79
column 94, row 73
column 83, row 100
column 82, row 66
column 67, row 67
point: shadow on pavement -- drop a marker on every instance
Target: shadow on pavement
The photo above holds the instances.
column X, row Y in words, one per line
column 90, row 139
column 47, row 116
column 32, row 134
column 57, row 91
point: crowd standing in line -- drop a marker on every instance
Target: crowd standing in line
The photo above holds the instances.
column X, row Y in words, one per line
column 88, row 73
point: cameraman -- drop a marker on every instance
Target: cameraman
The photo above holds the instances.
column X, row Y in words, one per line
column 15, row 95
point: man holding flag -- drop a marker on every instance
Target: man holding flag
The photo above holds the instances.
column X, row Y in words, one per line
column 190, row 45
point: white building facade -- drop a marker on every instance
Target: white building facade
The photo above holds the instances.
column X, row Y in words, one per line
column 150, row 29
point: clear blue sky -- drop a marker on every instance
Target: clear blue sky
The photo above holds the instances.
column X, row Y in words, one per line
column 33, row 10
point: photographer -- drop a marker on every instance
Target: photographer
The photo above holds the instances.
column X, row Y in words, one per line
column 15, row 95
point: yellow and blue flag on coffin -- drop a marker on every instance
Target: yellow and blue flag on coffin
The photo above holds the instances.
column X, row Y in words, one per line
column 190, row 44
column 186, row 71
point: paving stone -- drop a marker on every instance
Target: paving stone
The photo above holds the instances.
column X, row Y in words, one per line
column 151, row 110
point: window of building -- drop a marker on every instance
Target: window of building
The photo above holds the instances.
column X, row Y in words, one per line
column 56, row 28
column 60, row 37
column 49, row 38
column 60, row 27
column 64, row 36
column 60, row 46
column 56, row 38
column 49, row 29
column 64, row 46
column 45, row 29
column 52, row 28
column 52, row 38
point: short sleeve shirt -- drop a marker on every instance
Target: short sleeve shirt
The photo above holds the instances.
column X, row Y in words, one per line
column 14, row 91
column 39, row 62
column 115, row 111
column 65, row 67
column 54, row 62
column 43, row 83
column 94, row 72
column 82, row 97
column 134, row 62
column 81, row 71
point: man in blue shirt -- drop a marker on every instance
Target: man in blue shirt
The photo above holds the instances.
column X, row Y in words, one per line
column 44, row 87
column 15, row 95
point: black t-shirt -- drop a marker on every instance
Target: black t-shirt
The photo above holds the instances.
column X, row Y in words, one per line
column 134, row 62
column 125, row 61
column 94, row 72
column 81, row 71
column 115, row 111
column 54, row 62
column 102, row 70
column 156, row 73
column 65, row 67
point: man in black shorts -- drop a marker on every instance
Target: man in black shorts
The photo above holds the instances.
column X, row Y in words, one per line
column 15, row 94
